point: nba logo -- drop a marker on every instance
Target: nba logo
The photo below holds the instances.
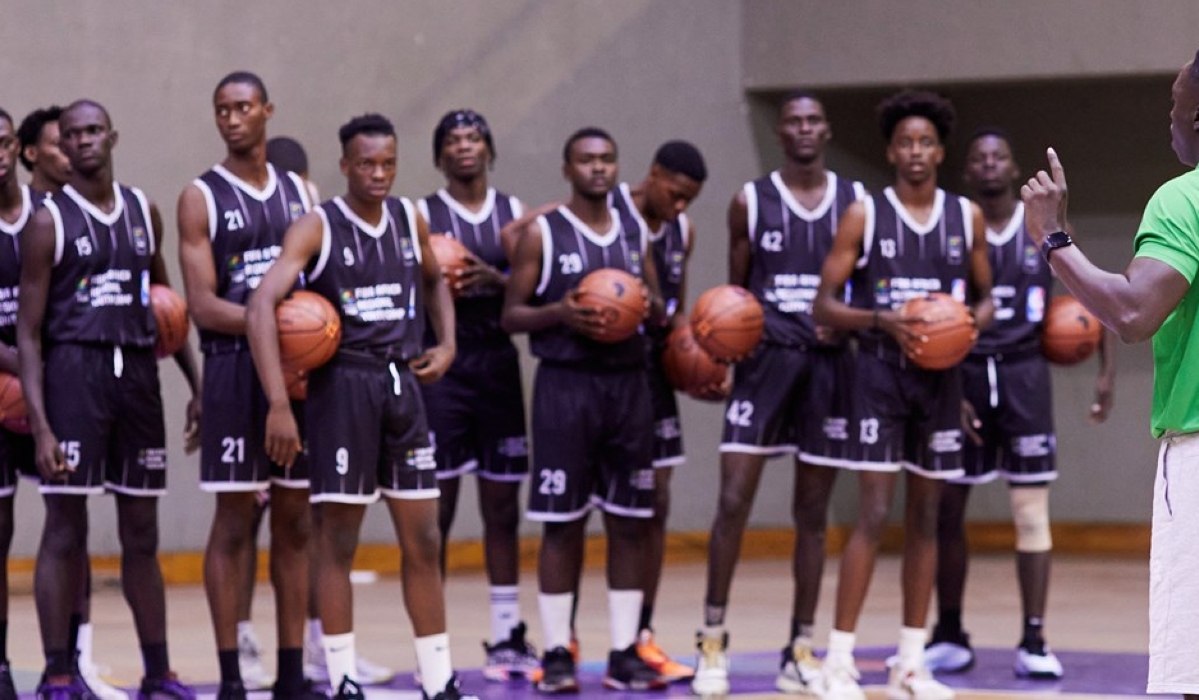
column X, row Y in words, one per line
column 145, row 288
column 953, row 250
column 1035, row 307
column 957, row 290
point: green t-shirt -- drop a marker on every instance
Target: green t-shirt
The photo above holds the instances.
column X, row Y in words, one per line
column 1170, row 233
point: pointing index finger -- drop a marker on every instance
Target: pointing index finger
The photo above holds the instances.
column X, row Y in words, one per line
column 1055, row 168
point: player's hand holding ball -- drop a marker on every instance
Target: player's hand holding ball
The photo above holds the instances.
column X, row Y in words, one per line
column 617, row 300
column 935, row 331
column 1045, row 201
column 476, row 276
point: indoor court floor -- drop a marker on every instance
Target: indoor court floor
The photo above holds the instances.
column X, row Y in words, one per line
column 1097, row 624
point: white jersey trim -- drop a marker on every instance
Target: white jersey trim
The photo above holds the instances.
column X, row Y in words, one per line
column 968, row 221
column 867, row 232
column 210, row 204
column 326, row 245
column 59, row 233
column 413, row 231
column 751, row 210
column 859, row 191
column 809, row 215
column 267, row 191
column 905, row 216
column 107, row 219
column 145, row 204
column 547, row 254
column 685, row 230
column 302, row 188
column 422, row 205
column 606, row 239
column 26, row 209
column 518, row 209
column 470, row 217
column 998, row 238
column 375, row 231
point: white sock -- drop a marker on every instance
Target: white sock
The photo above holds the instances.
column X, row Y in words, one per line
column 315, row 633
column 840, row 648
column 340, row 657
column 624, row 615
column 911, row 647
column 433, row 660
column 555, row 618
column 245, row 628
column 84, row 644
column 505, row 612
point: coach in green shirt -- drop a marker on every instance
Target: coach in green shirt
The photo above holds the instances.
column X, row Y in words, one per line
column 1154, row 298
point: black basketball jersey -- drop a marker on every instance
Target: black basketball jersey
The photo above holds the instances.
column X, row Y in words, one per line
column 373, row 275
column 100, row 285
column 903, row 259
column 570, row 250
column 668, row 247
column 1022, row 280
column 788, row 244
column 10, row 264
column 245, row 228
column 477, row 317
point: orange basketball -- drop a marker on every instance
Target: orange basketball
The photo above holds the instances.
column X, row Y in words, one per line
column 170, row 313
column 1071, row 332
column 688, row 367
column 619, row 299
column 13, row 415
column 297, row 383
column 309, row 330
column 451, row 256
column 948, row 336
column 727, row 322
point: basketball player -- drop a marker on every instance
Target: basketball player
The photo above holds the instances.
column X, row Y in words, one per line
column 49, row 170
column 783, row 399
column 286, row 153
column 1006, row 383
column 231, row 224
column 675, row 178
column 592, row 420
column 911, row 239
column 86, row 337
column 476, row 412
column 368, row 254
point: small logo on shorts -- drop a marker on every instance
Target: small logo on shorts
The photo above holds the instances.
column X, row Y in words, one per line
column 153, row 458
column 517, row 446
column 642, row 479
column 836, row 429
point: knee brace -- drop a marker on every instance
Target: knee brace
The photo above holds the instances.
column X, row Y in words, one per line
column 1030, row 514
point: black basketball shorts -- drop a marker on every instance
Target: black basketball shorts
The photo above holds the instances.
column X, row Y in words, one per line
column 1014, row 400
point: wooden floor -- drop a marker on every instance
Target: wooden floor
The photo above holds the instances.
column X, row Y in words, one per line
column 1097, row 604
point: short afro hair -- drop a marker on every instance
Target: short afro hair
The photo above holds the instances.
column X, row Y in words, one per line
column 286, row 153
column 794, row 95
column 31, row 128
column 586, row 132
column 985, row 131
column 243, row 77
column 916, row 103
column 372, row 124
column 683, row 158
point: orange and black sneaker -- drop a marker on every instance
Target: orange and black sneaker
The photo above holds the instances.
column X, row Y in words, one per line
column 668, row 669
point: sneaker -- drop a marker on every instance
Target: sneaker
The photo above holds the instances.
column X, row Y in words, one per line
column 168, row 688
column 90, row 673
column 76, row 689
column 453, row 691
column 712, row 666
column 627, row 671
column 8, row 691
column 558, row 673
column 368, row 673
column 949, row 655
column 840, row 682
column 535, row 674
column 231, row 690
column 667, row 668
column 916, row 684
column 349, row 690
column 512, row 657
column 306, row 691
column 799, row 671
column 249, row 660
column 1037, row 661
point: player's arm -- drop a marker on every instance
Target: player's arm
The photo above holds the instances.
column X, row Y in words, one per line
column 740, row 252
column 301, row 243
column 439, row 308
column 1105, row 381
column 519, row 316
column 37, row 262
column 1133, row 303
column 511, row 232
column 980, row 272
column 679, row 317
column 206, row 307
column 655, row 307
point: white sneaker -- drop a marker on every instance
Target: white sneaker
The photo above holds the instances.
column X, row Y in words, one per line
column 948, row 657
column 249, row 660
column 712, row 666
column 840, row 682
column 369, row 673
column 799, row 673
column 1030, row 664
column 916, row 684
column 90, row 673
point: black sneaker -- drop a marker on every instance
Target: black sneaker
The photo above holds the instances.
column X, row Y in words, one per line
column 168, row 688
column 349, row 690
column 627, row 671
column 75, row 690
column 558, row 673
column 453, row 691
column 231, row 690
column 513, row 657
column 305, row 691
column 8, row 691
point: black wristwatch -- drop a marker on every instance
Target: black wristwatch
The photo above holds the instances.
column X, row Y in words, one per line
column 1055, row 240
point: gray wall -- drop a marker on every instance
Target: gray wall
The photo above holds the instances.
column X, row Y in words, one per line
column 706, row 70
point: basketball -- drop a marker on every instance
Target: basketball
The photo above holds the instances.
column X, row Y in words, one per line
column 170, row 313
column 948, row 337
column 451, row 256
column 309, row 330
column 1071, row 334
column 688, row 367
column 297, row 383
column 618, row 298
column 727, row 322
column 13, row 415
